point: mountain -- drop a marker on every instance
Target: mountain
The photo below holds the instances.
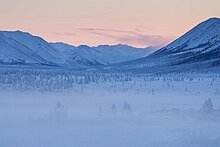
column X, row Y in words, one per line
column 121, row 53
column 101, row 55
column 80, row 56
column 18, row 47
column 197, row 49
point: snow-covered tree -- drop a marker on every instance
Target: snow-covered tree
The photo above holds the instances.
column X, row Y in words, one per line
column 59, row 112
column 114, row 109
column 100, row 111
column 208, row 106
column 127, row 108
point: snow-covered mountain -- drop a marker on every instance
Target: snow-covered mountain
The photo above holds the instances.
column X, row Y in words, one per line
column 199, row 44
column 120, row 53
column 200, row 48
column 18, row 47
column 100, row 55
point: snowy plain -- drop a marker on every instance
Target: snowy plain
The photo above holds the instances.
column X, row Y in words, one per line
column 164, row 110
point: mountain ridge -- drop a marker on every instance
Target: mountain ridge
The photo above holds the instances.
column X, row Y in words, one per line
column 102, row 54
column 199, row 48
column 24, row 48
column 199, row 45
column 18, row 47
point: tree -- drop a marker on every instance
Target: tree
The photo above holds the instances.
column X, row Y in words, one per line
column 127, row 108
column 100, row 111
column 208, row 106
column 60, row 112
column 114, row 109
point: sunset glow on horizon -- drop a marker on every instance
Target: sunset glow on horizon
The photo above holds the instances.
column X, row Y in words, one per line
column 137, row 23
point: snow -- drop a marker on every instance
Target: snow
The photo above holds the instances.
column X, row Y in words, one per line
column 77, row 111
column 122, row 53
column 103, row 54
column 199, row 47
column 56, row 106
column 10, row 53
column 199, row 44
column 19, row 45
column 205, row 32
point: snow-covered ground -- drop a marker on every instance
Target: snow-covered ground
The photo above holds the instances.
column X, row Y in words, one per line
column 109, row 110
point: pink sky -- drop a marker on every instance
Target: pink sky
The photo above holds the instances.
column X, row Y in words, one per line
column 138, row 23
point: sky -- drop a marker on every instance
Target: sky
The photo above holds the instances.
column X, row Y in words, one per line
column 138, row 23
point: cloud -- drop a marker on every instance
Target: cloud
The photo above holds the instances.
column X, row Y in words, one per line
column 106, row 30
column 66, row 34
column 144, row 40
column 135, row 38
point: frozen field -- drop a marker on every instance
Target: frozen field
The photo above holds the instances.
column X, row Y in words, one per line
column 110, row 111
